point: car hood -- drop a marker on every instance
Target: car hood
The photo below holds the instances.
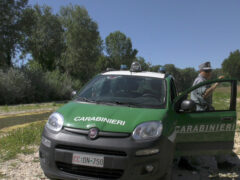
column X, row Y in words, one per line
column 113, row 118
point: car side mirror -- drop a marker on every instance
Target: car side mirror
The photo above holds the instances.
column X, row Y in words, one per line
column 188, row 106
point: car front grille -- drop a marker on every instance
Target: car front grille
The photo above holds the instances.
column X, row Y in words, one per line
column 92, row 150
column 101, row 133
column 90, row 171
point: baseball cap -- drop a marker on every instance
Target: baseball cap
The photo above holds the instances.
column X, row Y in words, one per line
column 205, row 66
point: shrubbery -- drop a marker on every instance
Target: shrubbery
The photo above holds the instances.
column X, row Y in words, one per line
column 28, row 86
column 15, row 87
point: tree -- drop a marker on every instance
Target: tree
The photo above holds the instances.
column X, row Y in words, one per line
column 119, row 49
column 154, row 68
column 175, row 72
column 216, row 73
column 83, row 43
column 103, row 63
column 43, row 37
column 10, row 28
column 145, row 66
column 231, row 65
column 187, row 77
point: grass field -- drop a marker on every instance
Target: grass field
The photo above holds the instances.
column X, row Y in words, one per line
column 221, row 98
column 21, row 127
column 19, row 140
column 21, row 114
column 27, row 107
column 13, row 120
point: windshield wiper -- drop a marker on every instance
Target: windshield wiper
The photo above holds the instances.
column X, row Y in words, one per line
column 84, row 99
column 129, row 104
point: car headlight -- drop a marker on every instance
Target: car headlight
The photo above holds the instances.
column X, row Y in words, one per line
column 55, row 122
column 147, row 130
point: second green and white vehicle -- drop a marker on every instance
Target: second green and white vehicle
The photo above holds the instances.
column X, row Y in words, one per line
column 130, row 124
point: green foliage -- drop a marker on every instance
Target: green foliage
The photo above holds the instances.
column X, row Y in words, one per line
column 183, row 77
column 175, row 72
column 43, row 37
column 187, row 77
column 48, row 86
column 26, row 85
column 216, row 73
column 83, row 43
column 40, row 91
column 119, row 49
column 103, row 63
column 18, row 141
column 10, row 29
column 231, row 65
column 14, row 87
column 59, row 85
column 34, row 66
column 66, row 51
column 145, row 66
column 154, row 68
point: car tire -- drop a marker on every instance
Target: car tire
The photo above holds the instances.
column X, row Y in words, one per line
column 49, row 177
column 168, row 175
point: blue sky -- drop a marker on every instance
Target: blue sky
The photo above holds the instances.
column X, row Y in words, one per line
column 181, row 32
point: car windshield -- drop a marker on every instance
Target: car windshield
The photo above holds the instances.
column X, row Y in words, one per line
column 136, row 91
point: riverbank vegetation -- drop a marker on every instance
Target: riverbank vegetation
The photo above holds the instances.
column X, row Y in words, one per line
column 44, row 56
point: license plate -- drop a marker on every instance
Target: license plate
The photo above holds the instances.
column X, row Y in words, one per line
column 88, row 160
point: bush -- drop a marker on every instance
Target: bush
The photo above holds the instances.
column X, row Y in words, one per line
column 34, row 85
column 14, row 87
column 59, row 85
column 39, row 88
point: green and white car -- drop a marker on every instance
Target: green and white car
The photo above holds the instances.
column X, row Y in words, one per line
column 130, row 125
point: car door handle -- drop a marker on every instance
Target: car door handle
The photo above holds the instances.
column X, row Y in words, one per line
column 227, row 118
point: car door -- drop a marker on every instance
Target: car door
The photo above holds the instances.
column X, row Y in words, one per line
column 211, row 130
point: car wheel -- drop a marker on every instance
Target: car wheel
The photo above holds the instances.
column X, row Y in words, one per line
column 50, row 177
column 168, row 175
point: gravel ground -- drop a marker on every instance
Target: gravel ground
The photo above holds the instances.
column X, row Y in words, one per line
column 27, row 167
column 24, row 167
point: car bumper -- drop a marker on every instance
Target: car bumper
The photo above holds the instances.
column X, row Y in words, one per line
column 120, row 160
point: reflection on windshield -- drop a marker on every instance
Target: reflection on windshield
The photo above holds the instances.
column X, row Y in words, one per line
column 125, row 90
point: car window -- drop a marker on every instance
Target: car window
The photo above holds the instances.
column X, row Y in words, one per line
column 123, row 89
column 217, row 100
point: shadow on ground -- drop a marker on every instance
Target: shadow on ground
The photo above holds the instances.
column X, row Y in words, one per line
column 224, row 167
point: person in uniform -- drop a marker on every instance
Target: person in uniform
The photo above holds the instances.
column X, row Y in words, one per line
column 202, row 96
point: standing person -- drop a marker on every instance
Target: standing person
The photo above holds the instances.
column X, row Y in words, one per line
column 203, row 96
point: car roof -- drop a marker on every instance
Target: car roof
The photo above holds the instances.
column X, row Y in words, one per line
column 142, row 73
